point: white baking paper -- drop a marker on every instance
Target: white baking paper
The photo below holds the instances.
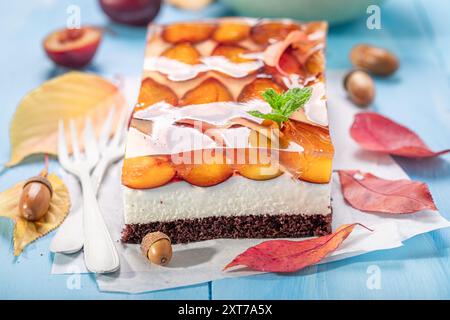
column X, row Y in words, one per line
column 203, row 261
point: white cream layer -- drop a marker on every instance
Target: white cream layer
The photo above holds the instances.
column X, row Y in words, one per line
column 235, row 197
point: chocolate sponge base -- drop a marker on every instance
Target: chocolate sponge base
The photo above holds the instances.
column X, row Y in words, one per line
column 250, row 226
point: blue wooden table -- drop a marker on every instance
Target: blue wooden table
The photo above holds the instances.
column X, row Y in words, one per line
column 418, row 96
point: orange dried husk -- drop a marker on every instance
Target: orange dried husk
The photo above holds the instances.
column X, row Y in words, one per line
column 26, row 231
column 74, row 95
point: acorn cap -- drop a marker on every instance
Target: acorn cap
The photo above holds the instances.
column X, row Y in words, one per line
column 42, row 180
column 151, row 238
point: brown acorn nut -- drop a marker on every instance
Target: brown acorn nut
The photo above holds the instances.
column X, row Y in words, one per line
column 156, row 246
column 360, row 87
column 35, row 198
column 378, row 61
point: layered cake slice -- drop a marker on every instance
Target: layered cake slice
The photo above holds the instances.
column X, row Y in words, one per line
column 229, row 137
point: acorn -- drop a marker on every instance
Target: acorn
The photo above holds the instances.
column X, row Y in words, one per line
column 157, row 247
column 35, row 198
column 360, row 87
column 375, row 60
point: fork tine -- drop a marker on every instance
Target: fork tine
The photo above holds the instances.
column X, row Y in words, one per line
column 75, row 147
column 120, row 130
column 106, row 130
column 63, row 157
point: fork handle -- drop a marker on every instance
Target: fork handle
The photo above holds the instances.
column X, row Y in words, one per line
column 100, row 254
column 69, row 236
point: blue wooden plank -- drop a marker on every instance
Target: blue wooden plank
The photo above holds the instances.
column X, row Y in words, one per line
column 435, row 15
column 417, row 95
column 404, row 273
column 24, row 67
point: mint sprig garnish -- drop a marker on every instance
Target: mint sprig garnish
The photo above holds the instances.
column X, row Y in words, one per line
column 284, row 104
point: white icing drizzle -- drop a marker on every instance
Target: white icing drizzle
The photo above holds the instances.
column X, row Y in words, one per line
column 215, row 113
column 316, row 108
column 235, row 70
column 179, row 71
column 316, row 35
column 170, row 134
column 292, row 81
column 175, row 70
column 253, row 55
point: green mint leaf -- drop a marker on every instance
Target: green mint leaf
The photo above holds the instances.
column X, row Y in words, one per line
column 283, row 105
column 294, row 99
column 277, row 117
column 272, row 98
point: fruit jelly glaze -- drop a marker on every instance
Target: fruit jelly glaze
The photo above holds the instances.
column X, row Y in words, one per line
column 241, row 78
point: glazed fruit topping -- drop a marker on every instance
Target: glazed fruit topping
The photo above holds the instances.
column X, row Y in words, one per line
column 266, row 32
column 152, row 92
column 231, row 32
column 314, row 163
column 281, row 144
column 210, row 90
column 190, row 32
column 233, row 53
column 259, row 163
column 212, row 170
column 289, row 64
column 183, row 52
column 256, row 88
column 147, row 172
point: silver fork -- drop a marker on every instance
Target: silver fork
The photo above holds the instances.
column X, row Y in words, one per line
column 69, row 236
column 100, row 254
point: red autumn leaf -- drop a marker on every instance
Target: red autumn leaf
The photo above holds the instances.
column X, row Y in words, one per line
column 366, row 192
column 291, row 256
column 375, row 132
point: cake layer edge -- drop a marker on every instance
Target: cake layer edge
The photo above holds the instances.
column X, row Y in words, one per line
column 249, row 226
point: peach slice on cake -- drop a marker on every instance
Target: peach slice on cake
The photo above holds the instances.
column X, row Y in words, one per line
column 314, row 163
column 259, row 171
column 73, row 48
column 315, row 63
column 260, row 162
column 147, row 172
column 183, row 52
column 210, row 170
column 190, row 32
column 254, row 89
column 289, row 64
column 231, row 32
column 265, row 32
column 152, row 92
column 210, row 90
column 231, row 52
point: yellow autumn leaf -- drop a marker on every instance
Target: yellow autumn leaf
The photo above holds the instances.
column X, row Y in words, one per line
column 74, row 95
column 26, row 231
